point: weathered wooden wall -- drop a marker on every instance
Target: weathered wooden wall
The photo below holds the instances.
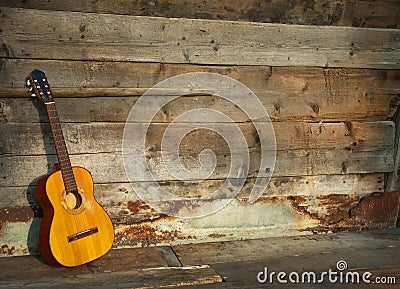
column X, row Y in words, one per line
column 331, row 90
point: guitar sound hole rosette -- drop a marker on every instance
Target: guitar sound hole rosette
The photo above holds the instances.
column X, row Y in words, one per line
column 73, row 203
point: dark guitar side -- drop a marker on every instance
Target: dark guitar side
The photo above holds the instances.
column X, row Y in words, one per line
column 48, row 214
column 62, row 237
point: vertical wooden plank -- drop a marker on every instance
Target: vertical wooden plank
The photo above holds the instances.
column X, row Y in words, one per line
column 393, row 179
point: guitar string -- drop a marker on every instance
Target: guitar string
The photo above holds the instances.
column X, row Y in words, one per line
column 66, row 168
column 69, row 180
column 62, row 154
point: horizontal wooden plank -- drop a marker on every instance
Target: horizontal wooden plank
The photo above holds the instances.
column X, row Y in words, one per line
column 111, row 194
column 291, row 215
column 81, row 138
column 114, row 260
column 144, row 278
column 77, row 92
column 108, row 167
column 81, row 36
column 106, row 74
column 293, row 246
column 288, row 93
column 279, row 108
column 280, row 214
column 119, row 199
column 367, row 13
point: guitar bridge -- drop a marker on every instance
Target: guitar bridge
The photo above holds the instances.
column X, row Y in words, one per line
column 82, row 234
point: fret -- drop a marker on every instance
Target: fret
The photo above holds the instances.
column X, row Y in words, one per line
column 61, row 148
column 69, row 176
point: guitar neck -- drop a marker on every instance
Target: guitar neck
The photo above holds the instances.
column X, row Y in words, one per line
column 61, row 148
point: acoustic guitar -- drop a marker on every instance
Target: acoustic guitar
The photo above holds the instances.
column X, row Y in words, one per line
column 75, row 228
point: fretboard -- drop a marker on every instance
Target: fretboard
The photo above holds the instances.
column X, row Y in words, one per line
column 61, row 148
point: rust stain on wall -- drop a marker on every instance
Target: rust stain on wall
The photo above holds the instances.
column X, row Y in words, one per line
column 329, row 210
column 270, row 200
column 15, row 214
column 378, row 210
column 144, row 235
column 8, row 250
column 216, row 236
column 136, row 206
column 345, row 212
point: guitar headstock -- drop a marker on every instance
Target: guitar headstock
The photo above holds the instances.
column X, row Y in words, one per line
column 39, row 86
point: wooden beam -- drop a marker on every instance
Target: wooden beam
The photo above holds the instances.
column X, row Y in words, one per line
column 118, row 196
column 82, row 36
column 335, row 83
column 366, row 13
column 35, row 139
column 108, row 167
column 288, row 93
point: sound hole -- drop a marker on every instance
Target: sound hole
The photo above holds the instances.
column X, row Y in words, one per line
column 73, row 201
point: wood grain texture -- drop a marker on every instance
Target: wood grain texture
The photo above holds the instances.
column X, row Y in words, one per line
column 116, row 195
column 35, row 139
column 331, row 92
column 138, row 39
column 108, row 90
column 66, row 222
column 279, row 108
column 393, row 178
column 156, row 277
column 115, row 260
column 365, row 13
column 108, row 167
column 130, row 75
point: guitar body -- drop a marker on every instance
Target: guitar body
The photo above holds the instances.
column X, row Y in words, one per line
column 75, row 228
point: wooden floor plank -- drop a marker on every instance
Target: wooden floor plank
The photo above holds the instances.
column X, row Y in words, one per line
column 140, row 279
column 235, row 263
column 379, row 262
column 236, row 251
column 114, row 260
column 151, row 267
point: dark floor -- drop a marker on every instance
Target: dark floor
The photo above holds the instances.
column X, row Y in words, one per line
column 372, row 254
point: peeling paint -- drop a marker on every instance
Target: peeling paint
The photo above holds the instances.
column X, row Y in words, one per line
column 8, row 250
column 136, row 206
column 268, row 217
column 143, row 235
column 328, row 210
column 18, row 238
column 15, row 214
column 378, row 210
column 216, row 235
column 346, row 212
